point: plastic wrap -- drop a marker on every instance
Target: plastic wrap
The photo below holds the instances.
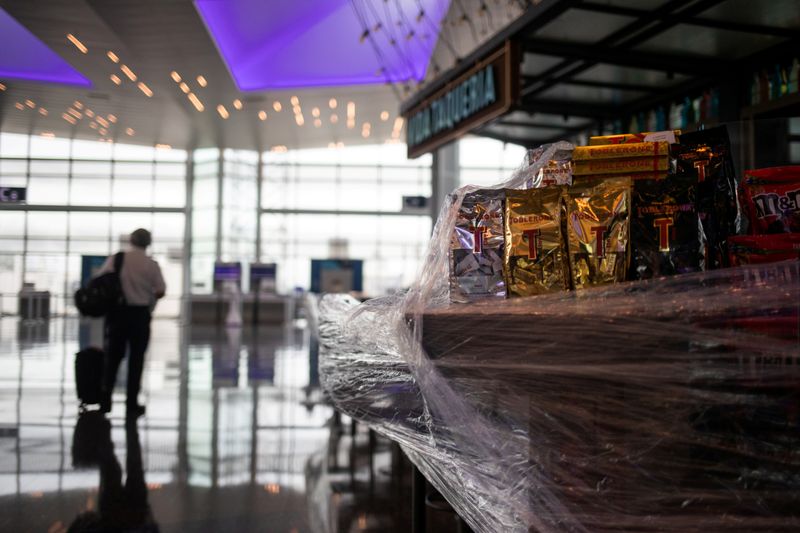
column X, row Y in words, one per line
column 671, row 404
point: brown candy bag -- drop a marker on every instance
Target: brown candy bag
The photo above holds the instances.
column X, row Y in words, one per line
column 598, row 231
column 534, row 248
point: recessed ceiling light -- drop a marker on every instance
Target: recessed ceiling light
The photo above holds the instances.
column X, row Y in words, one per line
column 103, row 122
column 129, row 132
column 262, row 115
column 93, row 125
column 20, row 106
column 75, row 113
column 317, row 123
column 112, row 118
column 102, row 131
column 115, row 79
column 112, row 56
column 201, row 81
column 351, row 109
column 161, row 146
column 89, row 113
column 315, row 112
column 77, row 105
column 222, row 111
column 299, row 119
column 69, row 118
column 184, row 88
column 43, row 111
column 334, row 118
column 277, row 106
column 332, row 103
column 384, row 116
column 294, row 100
column 237, row 104
column 79, row 45
column 48, row 134
column 2, row 87
column 145, row 89
column 365, row 133
column 196, row 102
column 175, row 76
column 30, row 103
column 128, row 72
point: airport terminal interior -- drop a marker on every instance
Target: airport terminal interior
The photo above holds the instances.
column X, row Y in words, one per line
column 393, row 302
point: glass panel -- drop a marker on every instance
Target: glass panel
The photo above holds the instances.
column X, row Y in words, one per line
column 50, row 147
column 13, row 145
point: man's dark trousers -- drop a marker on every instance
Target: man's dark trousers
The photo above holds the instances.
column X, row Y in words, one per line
column 127, row 329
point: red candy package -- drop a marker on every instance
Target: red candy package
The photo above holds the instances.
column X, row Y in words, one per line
column 771, row 197
column 758, row 249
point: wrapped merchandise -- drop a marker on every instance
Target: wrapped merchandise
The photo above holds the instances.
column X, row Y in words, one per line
column 666, row 405
column 666, row 234
column 557, row 171
column 772, row 199
column 757, row 249
column 616, row 151
column 620, row 166
column 534, row 252
column 598, row 231
column 477, row 246
column 706, row 155
column 668, row 136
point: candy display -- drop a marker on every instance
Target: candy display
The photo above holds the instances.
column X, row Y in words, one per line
column 706, row 155
column 772, row 199
column 534, row 247
column 598, row 231
column 477, row 247
column 668, row 403
column 666, row 233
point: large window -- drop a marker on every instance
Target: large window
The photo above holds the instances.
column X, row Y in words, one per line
column 322, row 203
column 84, row 198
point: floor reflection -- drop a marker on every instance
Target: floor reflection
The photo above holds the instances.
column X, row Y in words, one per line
column 237, row 437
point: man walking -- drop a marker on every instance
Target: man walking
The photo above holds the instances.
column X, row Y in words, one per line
column 128, row 326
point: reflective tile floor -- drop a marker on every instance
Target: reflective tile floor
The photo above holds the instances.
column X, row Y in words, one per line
column 236, row 438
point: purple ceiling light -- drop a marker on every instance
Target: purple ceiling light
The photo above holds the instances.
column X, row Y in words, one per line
column 24, row 57
column 305, row 43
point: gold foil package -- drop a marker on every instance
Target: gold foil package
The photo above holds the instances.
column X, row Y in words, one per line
column 598, row 231
column 477, row 247
column 534, row 244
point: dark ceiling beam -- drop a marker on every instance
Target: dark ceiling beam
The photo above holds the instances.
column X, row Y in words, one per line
column 638, row 31
column 569, row 108
column 526, row 142
column 759, row 29
column 532, row 125
column 620, row 86
column 628, row 58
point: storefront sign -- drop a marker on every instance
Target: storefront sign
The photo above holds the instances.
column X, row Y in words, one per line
column 482, row 93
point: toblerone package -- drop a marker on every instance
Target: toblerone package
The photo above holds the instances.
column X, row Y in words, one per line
column 669, row 136
column 476, row 247
column 620, row 151
column 620, row 166
column 598, row 231
column 534, row 259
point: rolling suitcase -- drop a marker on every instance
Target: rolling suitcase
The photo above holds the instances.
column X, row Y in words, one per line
column 89, row 364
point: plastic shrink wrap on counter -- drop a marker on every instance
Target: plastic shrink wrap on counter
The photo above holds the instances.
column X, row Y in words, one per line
column 669, row 405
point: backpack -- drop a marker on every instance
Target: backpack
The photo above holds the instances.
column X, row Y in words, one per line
column 103, row 293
